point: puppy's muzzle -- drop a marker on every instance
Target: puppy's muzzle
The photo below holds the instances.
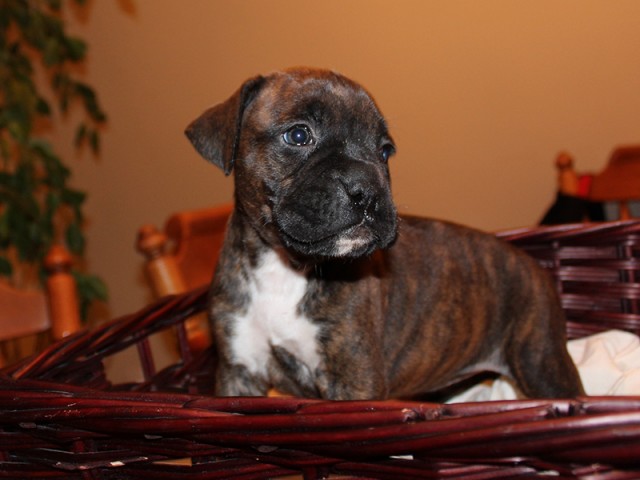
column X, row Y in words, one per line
column 341, row 212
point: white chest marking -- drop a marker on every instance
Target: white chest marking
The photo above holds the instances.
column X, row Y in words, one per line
column 272, row 319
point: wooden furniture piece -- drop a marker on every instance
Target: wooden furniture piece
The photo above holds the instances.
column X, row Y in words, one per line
column 618, row 182
column 183, row 256
column 61, row 418
column 29, row 312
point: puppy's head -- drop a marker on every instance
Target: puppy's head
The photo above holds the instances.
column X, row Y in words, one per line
column 309, row 151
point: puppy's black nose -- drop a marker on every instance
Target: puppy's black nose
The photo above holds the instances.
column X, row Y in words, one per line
column 361, row 195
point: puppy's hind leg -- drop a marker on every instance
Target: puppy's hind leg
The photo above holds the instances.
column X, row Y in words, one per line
column 539, row 362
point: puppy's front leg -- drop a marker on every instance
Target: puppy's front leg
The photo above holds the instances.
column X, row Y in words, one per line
column 348, row 377
column 236, row 372
column 237, row 381
column 356, row 385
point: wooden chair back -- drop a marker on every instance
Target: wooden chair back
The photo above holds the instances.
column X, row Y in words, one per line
column 618, row 182
column 54, row 310
column 183, row 256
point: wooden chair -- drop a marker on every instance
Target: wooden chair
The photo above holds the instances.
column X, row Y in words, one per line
column 618, row 182
column 183, row 256
column 26, row 313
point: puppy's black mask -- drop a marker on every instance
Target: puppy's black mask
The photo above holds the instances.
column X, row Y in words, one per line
column 322, row 169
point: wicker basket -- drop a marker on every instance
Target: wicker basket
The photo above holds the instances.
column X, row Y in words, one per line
column 61, row 418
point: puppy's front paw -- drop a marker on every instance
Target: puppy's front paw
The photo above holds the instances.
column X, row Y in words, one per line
column 237, row 381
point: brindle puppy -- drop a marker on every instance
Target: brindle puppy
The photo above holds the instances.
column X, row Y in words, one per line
column 322, row 291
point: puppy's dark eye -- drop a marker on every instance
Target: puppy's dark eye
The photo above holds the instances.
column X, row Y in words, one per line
column 386, row 151
column 299, row 135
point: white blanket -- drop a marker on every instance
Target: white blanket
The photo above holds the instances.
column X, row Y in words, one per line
column 608, row 362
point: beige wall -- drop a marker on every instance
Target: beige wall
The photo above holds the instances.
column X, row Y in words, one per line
column 480, row 95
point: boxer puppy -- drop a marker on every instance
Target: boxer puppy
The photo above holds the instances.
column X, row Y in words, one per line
column 321, row 290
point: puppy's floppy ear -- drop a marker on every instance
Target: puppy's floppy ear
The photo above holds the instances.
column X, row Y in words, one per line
column 215, row 134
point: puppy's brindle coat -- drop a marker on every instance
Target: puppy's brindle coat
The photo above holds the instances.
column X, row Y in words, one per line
column 322, row 291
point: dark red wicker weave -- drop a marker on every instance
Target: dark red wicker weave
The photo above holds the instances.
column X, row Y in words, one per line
column 61, row 418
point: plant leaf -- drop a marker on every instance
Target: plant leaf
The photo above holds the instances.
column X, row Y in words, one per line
column 43, row 107
column 94, row 140
column 81, row 134
column 90, row 289
column 75, row 238
column 76, row 48
column 6, row 269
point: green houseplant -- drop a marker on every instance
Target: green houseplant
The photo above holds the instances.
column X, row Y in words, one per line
column 38, row 207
